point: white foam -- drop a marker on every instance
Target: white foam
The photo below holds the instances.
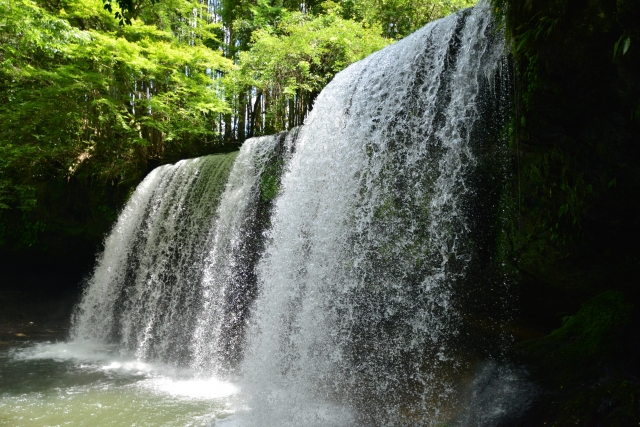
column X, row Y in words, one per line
column 211, row 388
column 91, row 356
column 79, row 351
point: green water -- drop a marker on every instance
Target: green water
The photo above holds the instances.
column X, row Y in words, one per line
column 60, row 384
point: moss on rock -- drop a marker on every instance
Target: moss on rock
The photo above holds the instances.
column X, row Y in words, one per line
column 586, row 368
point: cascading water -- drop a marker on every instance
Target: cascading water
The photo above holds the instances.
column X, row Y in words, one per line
column 160, row 290
column 343, row 301
column 370, row 244
column 152, row 263
column 229, row 282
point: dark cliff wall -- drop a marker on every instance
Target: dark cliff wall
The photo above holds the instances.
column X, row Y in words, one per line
column 576, row 212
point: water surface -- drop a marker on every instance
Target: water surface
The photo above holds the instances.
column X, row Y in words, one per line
column 63, row 384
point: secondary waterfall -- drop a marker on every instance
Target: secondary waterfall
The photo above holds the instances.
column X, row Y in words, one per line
column 333, row 269
column 148, row 275
column 174, row 282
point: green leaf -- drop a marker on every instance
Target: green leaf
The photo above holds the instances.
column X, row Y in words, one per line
column 625, row 45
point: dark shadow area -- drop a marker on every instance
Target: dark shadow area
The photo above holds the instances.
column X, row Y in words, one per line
column 38, row 292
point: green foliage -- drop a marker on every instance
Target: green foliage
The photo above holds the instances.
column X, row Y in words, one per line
column 306, row 52
column 586, row 338
column 561, row 192
column 290, row 64
column 582, row 364
column 288, row 51
column 399, row 18
column 621, row 47
column 312, row 39
column 94, row 104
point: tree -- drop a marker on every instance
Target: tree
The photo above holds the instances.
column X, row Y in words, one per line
column 399, row 18
column 287, row 66
column 95, row 104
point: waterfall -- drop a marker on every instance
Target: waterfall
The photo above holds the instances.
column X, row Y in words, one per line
column 161, row 289
column 372, row 237
column 151, row 265
column 333, row 268
column 229, row 281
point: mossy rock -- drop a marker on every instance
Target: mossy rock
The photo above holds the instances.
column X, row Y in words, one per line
column 587, row 368
column 270, row 180
column 585, row 339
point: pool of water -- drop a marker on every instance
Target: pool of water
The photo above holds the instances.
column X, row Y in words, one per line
column 65, row 384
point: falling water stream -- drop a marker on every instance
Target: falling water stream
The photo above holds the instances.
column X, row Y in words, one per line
column 319, row 277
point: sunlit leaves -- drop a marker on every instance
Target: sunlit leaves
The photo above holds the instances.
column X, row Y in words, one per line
column 399, row 18
column 300, row 56
column 99, row 101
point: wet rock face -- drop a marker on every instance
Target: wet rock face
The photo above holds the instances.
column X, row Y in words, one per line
column 575, row 158
column 501, row 394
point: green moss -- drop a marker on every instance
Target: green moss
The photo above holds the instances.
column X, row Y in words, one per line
column 270, row 181
column 585, row 339
column 581, row 367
